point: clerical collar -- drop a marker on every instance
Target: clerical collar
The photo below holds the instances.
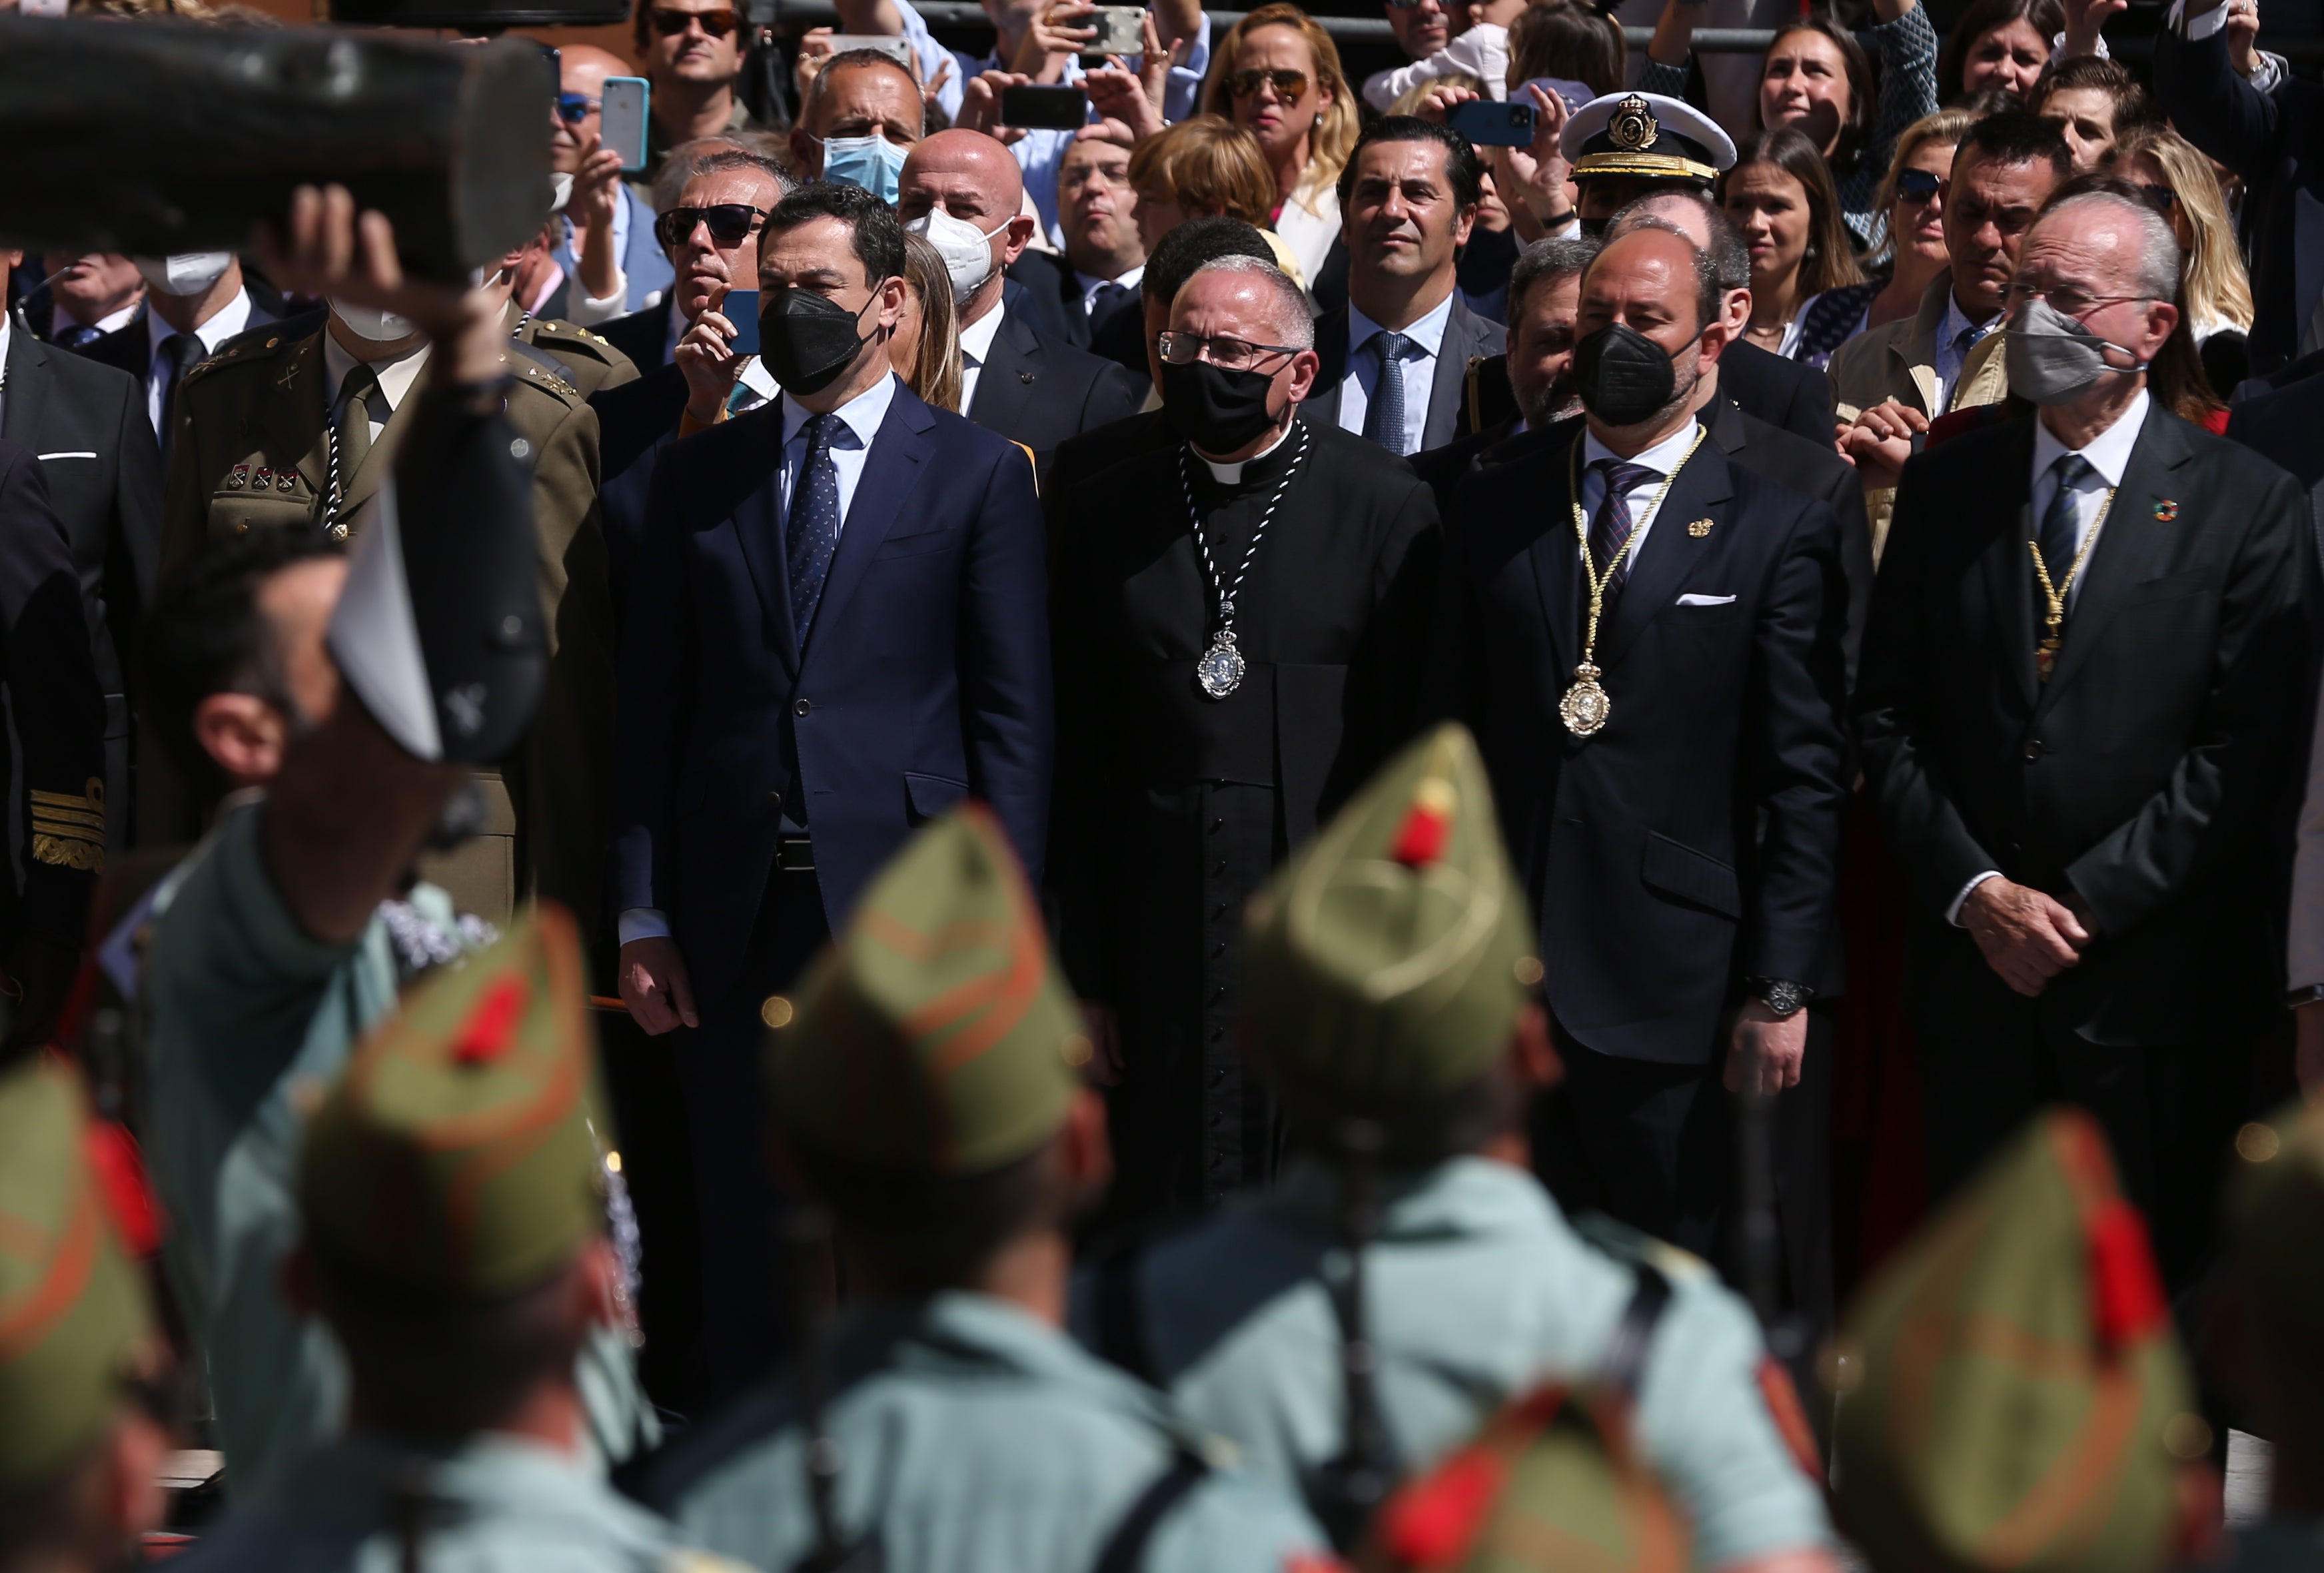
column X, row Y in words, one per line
column 1232, row 474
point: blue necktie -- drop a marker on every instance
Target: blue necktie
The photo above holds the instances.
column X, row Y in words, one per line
column 77, row 334
column 1609, row 531
column 814, row 530
column 2058, row 542
column 1384, row 416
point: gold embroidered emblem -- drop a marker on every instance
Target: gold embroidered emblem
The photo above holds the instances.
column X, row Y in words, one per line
column 69, row 830
column 1634, row 128
column 1699, row 528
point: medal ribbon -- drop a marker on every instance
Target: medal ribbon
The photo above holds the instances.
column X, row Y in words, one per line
column 1596, row 581
column 2054, row 620
column 1224, row 591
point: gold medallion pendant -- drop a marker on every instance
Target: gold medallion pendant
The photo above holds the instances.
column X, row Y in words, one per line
column 1586, row 707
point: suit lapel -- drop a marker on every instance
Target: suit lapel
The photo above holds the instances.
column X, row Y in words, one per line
column 28, row 358
column 758, row 520
column 1005, row 386
column 1331, row 366
column 891, row 470
column 1556, row 558
column 2009, row 570
column 2134, row 545
column 1672, row 553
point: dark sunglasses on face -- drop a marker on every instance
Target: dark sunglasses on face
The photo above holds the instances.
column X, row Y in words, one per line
column 1917, row 186
column 573, row 108
column 2162, row 198
column 730, row 224
column 716, row 23
column 1288, row 85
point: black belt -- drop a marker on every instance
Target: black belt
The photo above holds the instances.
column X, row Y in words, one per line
column 794, row 854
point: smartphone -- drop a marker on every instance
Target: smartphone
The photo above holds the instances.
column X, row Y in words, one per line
column 1044, row 108
column 895, row 49
column 740, row 308
column 1489, row 124
column 624, row 121
column 1120, row 31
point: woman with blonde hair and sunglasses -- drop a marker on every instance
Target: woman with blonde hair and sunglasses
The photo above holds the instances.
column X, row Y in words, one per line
column 1277, row 73
column 2177, row 180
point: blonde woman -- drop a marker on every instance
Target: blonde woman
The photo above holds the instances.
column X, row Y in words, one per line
column 926, row 348
column 1202, row 167
column 2181, row 184
column 1277, row 73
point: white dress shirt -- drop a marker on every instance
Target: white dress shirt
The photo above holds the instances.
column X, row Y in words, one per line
column 1952, row 348
column 976, row 348
column 1645, row 498
column 60, row 319
column 2109, row 455
column 7, row 328
column 1357, row 388
column 1090, row 284
column 228, row 321
column 860, row 419
column 395, row 379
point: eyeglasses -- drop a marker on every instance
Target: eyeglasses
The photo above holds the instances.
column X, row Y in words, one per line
column 716, row 23
column 1287, row 85
column 1917, row 185
column 730, row 224
column 1232, row 355
column 573, row 108
column 2065, row 299
column 2162, row 198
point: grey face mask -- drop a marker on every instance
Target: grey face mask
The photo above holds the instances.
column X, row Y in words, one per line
column 2053, row 359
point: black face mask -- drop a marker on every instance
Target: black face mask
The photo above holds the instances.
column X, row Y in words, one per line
column 1623, row 376
column 805, row 340
column 1216, row 410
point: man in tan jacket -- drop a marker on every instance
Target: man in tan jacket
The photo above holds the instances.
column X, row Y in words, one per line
column 1891, row 380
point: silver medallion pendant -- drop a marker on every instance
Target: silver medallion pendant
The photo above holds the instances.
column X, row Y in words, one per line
column 1586, row 705
column 1219, row 671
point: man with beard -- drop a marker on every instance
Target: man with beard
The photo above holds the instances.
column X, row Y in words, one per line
column 1646, row 639
column 1235, row 653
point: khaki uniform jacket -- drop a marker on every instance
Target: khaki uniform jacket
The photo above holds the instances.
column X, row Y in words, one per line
column 253, row 452
column 1898, row 360
column 588, row 358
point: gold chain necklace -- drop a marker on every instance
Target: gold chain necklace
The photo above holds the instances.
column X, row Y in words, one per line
column 1586, row 707
column 2053, row 621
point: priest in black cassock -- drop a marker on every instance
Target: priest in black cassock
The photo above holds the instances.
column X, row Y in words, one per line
column 1238, row 620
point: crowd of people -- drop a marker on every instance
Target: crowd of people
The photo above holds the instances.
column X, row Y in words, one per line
column 1557, row 810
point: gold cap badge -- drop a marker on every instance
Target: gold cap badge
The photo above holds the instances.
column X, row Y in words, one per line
column 1634, row 127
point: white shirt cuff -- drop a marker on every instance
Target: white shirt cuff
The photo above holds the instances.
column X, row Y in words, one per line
column 642, row 923
column 1952, row 913
column 588, row 310
column 2195, row 30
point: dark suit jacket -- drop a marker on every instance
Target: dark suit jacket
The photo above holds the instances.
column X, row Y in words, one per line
column 1467, row 337
column 2276, row 141
column 2286, row 425
column 1100, row 448
column 643, row 335
column 1694, row 841
column 1038, row 391
column 1446, row 468
column 2147, row 774
column 1783, row 392
column 86, row 424
column 131, row 348
column 635, row 421
column 925, row 679
column 1039, row 288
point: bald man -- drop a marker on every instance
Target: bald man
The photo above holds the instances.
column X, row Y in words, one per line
column 964, row 191
column 606, row 240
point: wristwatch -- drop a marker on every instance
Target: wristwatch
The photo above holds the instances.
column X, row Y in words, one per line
column 1780, row 995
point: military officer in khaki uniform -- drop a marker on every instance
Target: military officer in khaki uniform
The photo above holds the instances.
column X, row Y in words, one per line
column 589, row 359
column 281, row 433
column 451, row 1185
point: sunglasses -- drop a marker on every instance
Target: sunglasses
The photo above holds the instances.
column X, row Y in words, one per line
column 1287, row 85
column 573, row 108
column 2162, row 198
column 1917, row 186
column 730, row 224
column 716, row 23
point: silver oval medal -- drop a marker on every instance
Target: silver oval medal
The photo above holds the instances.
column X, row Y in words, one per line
column 1219, row 671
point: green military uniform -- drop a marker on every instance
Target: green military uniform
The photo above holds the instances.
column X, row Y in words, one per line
column 74, row 1324
column 456, row 1160
column 2017, row 1400
column 589, row 359
column 253, row 451
column 935, row 1041
column 1389, row 963
column 1554, row 1484
column 247, row 1019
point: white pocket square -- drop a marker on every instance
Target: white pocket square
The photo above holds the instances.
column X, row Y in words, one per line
column 1706, row 600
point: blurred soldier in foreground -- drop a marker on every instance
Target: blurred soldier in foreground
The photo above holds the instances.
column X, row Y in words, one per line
column 929, row 1088
column 451, row 1187
column 1391, row 990
column 81, row 1446
column 273, row 956
column 2014, row 1398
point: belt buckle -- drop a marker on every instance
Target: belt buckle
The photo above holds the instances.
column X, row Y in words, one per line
column 795, row 854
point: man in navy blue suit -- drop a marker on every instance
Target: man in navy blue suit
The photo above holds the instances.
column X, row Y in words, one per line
column 837, row 628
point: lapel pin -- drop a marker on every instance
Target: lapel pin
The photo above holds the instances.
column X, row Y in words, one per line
column 1025, row 377
column 284, row 481
column 2166, row 510
column 1699, row 528
column 239, row 478
column 262, row 479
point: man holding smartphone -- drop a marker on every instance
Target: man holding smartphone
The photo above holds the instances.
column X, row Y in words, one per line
column 607, row 241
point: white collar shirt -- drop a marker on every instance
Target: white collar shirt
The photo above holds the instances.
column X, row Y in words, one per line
column 1956, row 337
column 228, row 321
column 860, row 419
column 61, row 321
column 2107, row 454
column 7, row 334
column 1359, row 386
column 1092, row 285
column 1645, row 497
column 976, row 349
column 395, row 379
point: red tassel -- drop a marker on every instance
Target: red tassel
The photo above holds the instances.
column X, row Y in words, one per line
column 121, row 1181
column 1427, row 827
column 492, row 1026
column 2126, row 1298
column 1430, row 1523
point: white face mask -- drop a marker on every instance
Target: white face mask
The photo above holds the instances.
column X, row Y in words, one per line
column 185, row 272
column 967, row 250
column 369, row 322
column 560, row 190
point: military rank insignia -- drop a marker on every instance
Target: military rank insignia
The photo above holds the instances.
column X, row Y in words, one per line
column 69, row 830
column 238, row 479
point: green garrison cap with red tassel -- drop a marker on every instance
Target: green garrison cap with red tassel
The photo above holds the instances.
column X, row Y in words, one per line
column 1390, row 958
column 2021, row 1402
